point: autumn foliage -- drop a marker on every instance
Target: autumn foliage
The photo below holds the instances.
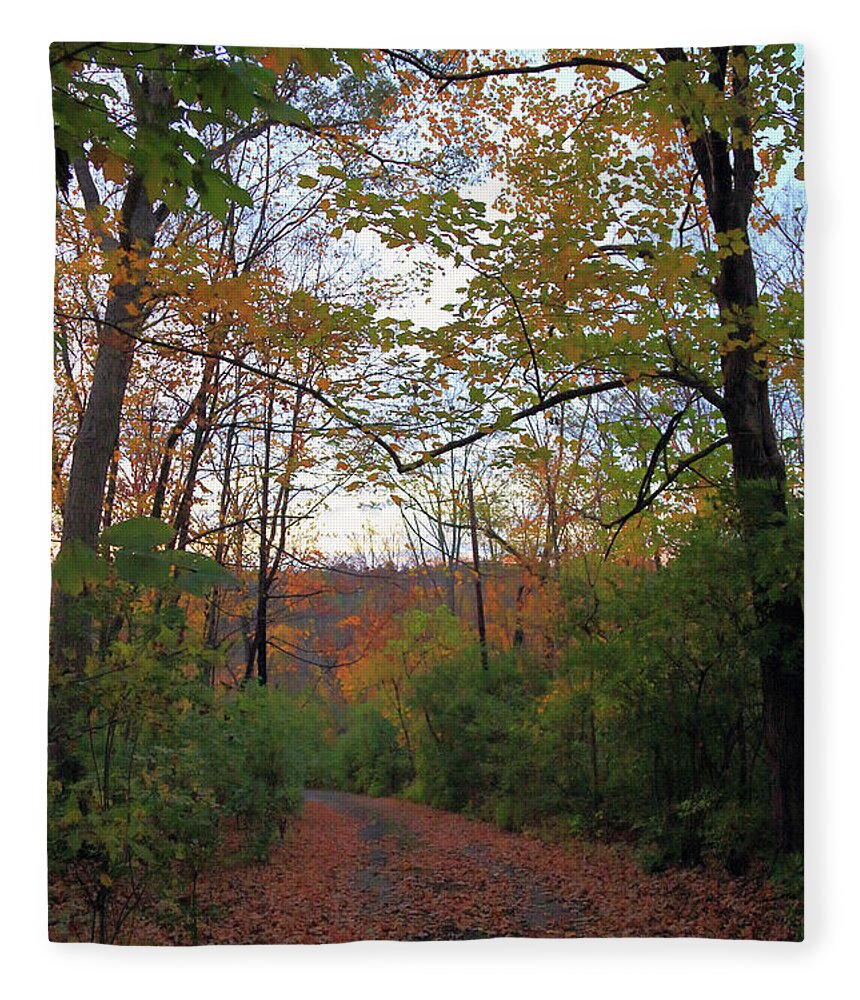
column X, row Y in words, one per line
column 427, row 425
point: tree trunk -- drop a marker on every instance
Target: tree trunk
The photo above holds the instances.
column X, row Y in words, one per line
column 202, row 436
column 260, row 644
column 94, row 446
column 100, row 422
column 476, row 561
column 760, row 477
column 403, row 727
column 213, row 607
column 196, row 409
column 110, row 496
column 727, row 168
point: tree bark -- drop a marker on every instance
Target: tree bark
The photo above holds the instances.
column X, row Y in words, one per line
column 110, row 496
column 99, row 428
column 213, row 606
column 202, row 436
column 196, row 409
column 479, row 594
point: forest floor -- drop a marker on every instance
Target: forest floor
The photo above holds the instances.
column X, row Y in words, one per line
column 357, row 868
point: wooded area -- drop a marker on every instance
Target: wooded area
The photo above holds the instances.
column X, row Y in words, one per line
column 543, row 312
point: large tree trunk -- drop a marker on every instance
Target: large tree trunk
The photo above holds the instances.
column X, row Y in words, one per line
column 759, row 472
column 100, row 422
column 727, row 168
column 123, row 318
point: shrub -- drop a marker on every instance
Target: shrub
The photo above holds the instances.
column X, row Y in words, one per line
column 368, row 756
column 256, row 744
column 476, row 749
column 734, row 833
column 151, row 763
column 131, row 817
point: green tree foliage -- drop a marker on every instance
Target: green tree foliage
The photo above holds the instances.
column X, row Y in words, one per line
column 666, row 690
column 476, row 749
column 187, row 91
column 367, row 756
column 139, row 557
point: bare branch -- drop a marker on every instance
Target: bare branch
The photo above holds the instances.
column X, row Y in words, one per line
column 574, row 62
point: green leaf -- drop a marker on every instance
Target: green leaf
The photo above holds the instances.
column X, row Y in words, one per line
column 505, row 418
column 149, row 569
column 77, row 565
column 287, row 115
column 197, row 574
column 138, row 533
column 354, row 58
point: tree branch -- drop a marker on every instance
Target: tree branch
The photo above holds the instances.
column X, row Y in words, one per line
column 530, row 411
column 92, row 202
column 391, row 450
column 574, row 62
column 644, row 501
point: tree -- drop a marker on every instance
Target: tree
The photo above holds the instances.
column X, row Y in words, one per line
column 610, row 296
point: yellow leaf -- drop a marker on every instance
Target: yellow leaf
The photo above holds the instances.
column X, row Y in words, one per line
column 113, row 169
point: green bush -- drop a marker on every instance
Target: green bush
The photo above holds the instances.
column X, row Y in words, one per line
column 655, row 716
column 475, row 751
column 256, row 744
column 131, row 816
column 146, row 761
column 735, row 833
column 368, row 756
column 787, row 879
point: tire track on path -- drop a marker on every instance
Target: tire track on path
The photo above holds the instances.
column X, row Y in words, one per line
column 422, row 881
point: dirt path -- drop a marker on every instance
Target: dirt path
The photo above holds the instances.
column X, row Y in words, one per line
column 443, row 886
column 356, row 868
